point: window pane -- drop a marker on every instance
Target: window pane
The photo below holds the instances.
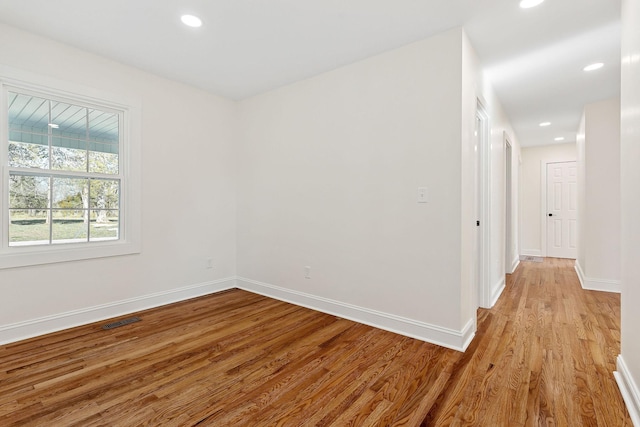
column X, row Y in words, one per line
column 68, row 159
column 105, row 225
column 28, row 226
column 68, row 146
column 69, row 226
column 28, row 192
column 105, row 194
column 103, row 127
column 105, row 201
column 28, row 131
column 69, row 121
column 27, row 115
column 70, row 193
column 29, row 155
column 104, row 141
column 101, row 162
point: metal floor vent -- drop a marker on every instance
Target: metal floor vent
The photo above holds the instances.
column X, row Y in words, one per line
column 122, row 322
column 532, row 258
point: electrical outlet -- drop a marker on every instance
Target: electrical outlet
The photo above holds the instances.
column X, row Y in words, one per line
column 307, row 272
column 209, row 263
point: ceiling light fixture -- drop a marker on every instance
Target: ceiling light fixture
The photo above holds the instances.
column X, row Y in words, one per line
column 560, row 138
column 526, row 4
column 593, row 67
column 191, row 21
column 545, row 124
column 53, row 126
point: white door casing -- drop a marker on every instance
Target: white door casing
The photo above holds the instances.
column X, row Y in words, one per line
column 482, row 198
column 561, row 211
column 508, row 215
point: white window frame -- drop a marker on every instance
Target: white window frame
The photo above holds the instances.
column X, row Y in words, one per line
column 129, row 241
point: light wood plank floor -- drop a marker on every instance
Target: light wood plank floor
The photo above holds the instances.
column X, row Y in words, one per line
column 544, row 355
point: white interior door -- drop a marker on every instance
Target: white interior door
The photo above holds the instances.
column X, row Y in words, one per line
column 562, row 202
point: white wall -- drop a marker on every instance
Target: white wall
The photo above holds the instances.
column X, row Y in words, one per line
column 628, row 374
column 598, row 145
column 532, row 196
column 328, row 178
column 475, row 87
column 188, row 199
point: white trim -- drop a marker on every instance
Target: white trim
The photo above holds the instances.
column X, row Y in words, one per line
column 508, row 203
column 445, row 337
column 131, row 173
column 514, row 264
column 450, row 338
column 629, row 390
column 497, row 291
column 591, row 284
column 57, row 322
column 530, row 252
column 484, row 163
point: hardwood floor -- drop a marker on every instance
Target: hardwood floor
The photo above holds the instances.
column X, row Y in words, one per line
column 544, row 355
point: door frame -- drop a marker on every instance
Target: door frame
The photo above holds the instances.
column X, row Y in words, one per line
column 508, row 206
column 483, row 188
column 543, row 201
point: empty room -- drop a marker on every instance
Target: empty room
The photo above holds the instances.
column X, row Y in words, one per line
column 285, row 213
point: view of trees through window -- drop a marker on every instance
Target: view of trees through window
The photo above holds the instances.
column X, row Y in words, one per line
column 64, row 172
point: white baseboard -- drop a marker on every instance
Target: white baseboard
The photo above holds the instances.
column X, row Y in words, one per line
column 597, row 284
column 44, row 325
column 497, row 291
column 445, row 337
column 514, row 264
column 530, row 252
column 629, row 390
column 450, row 338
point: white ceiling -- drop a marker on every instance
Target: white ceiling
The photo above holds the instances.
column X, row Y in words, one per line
column 534, row 57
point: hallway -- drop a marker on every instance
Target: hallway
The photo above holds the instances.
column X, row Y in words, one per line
column 544, row 355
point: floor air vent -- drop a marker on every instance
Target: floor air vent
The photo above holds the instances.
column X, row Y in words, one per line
column 531, row 258
column 122, row 322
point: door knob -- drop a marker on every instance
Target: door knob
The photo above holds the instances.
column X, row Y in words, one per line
column 550, row 214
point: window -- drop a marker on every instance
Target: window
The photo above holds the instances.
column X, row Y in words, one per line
column 67, row 191
column 64, row 179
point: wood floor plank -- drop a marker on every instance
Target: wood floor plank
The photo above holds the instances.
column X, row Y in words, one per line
column 544, row 355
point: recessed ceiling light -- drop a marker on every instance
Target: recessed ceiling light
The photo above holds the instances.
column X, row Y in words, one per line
column 544, row 124
column 53, row 126
column 526, row 4
column 191, row 21
column 560, row 138
column 593, row 67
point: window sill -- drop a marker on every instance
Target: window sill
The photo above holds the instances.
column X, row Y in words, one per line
column 27, row 256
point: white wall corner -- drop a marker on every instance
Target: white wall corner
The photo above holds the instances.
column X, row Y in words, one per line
column 57, row 322
column 514, row 264
column 497, row 291
column 445, row 337
column 629, row 390
column 592, row 284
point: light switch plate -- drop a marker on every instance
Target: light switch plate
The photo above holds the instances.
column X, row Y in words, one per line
column 423, row 195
